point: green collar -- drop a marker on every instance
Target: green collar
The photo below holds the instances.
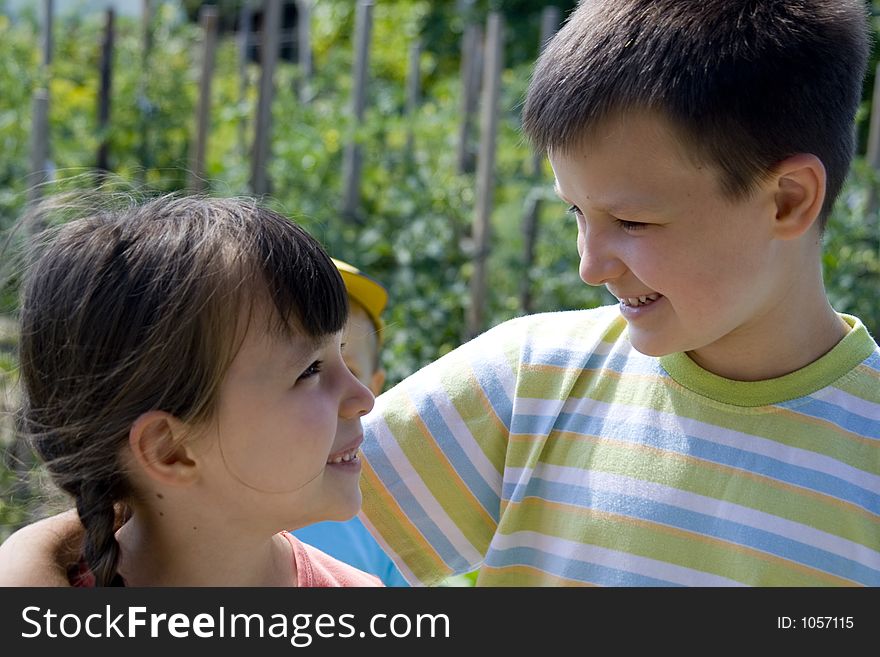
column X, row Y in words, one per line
column 855, row 347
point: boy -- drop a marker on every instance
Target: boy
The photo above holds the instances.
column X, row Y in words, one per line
column 721, row 426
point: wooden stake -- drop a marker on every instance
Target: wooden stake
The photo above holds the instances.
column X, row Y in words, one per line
column 104, row 94
column 549, row 25
column 208, row 20
column 413, row 91
column 304, row 49
column 353, row 153
column 268, row 59
column 485, row 172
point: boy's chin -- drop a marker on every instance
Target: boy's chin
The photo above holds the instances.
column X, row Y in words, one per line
column 651, row 347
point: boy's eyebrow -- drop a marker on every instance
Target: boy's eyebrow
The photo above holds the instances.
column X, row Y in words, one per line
column 610, row 208
column 559, row 192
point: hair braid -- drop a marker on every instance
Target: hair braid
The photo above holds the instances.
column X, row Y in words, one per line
column 97, row 511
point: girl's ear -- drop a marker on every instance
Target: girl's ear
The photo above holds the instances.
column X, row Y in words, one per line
column 799, row 196
column 157, row 445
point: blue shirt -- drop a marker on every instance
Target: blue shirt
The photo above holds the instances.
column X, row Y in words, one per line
column 350, row 542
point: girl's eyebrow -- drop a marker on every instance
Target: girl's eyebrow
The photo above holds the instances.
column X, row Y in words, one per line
column 298, row 350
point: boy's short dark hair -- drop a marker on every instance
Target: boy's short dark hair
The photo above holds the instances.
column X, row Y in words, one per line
column 746, row 83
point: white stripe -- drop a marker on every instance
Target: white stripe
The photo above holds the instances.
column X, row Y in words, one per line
column 850, row 403
column 646, row 490
column 465, row 440
column 409, row 478
column 492, row 356
column 631, row 563
column 619, row 412
column 532, row 406
column 427, row 387
column 570, row 330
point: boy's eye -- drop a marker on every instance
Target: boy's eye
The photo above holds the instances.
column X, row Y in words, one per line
column 626, row 225
column 310, row 371
column 631, row 225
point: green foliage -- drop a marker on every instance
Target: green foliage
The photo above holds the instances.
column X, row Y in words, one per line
column 851, row 256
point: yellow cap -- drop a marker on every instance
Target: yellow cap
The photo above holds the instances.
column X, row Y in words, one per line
column 363, row 289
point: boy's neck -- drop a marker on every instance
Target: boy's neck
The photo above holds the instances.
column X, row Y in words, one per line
column 787, row 338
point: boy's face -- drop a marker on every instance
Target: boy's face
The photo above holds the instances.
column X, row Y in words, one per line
column 361, row 346
column 654, row 224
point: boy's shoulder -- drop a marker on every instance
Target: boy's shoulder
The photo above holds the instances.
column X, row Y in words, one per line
column 576, row 327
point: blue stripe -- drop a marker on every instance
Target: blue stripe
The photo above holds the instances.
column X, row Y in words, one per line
column 582, row 571
column 631, row 361
column 873, row 361
column 848, row 421
column 700, row 523
column 411, row 507
column 502, row 404
column 487, row 496
column 680, row 443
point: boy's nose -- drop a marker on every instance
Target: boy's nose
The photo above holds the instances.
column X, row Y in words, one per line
column 599, row 264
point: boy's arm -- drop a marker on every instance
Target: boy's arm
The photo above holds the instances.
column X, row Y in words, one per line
column 436, row 447
column 38, row 554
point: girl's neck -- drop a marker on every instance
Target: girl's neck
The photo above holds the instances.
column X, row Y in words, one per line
column 167, row 554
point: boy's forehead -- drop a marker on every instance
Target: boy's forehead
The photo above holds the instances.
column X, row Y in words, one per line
column 643, row 144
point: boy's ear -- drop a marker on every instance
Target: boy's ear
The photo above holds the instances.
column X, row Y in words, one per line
column 157, row 445
column 799, row 195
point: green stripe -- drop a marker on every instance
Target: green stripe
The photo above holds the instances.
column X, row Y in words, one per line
column 714, row 482
column 654, row 541
column 778, row 425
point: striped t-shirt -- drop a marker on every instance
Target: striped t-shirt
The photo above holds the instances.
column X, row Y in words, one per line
column 548, row 451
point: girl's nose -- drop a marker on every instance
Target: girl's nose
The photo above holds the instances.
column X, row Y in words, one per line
column 358, row 399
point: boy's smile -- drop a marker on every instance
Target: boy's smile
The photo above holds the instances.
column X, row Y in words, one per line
column 694, row 270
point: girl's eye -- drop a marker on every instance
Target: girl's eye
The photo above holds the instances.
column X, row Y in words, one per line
column 631, row 225
column 574, row 210
column 310, row 371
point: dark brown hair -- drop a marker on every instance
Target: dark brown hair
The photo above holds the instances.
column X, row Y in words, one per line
column 746, row 83
column 136, row 308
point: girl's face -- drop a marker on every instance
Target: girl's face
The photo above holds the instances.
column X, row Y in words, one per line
column 281, row 451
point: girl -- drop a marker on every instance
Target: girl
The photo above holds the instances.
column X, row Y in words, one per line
column 182, row 374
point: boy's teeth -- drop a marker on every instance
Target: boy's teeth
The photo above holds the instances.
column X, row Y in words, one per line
column 640, row 301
